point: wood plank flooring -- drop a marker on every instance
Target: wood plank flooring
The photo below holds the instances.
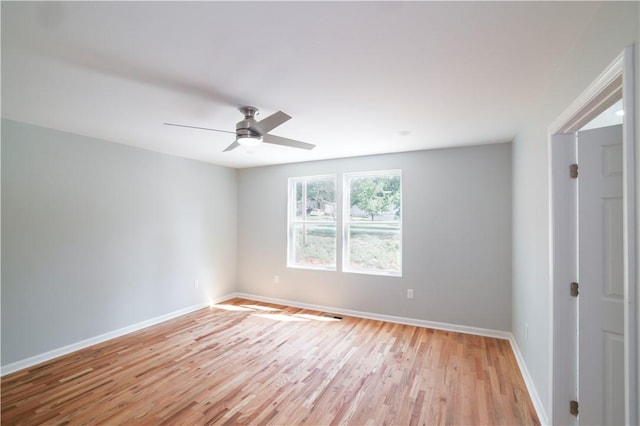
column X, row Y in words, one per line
column 254, row 363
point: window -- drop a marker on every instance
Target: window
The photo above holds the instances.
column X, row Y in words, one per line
column 373, row 223
column 312, row 222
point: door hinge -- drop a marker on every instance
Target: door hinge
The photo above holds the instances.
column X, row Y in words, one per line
column 575, row 289
column 573, row 408
column 573, row 171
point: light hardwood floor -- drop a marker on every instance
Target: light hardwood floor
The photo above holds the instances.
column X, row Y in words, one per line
column 254, row 363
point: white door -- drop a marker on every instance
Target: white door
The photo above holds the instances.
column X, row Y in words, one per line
column 600, row 270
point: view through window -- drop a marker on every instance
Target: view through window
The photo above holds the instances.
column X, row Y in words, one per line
column 373, row 223
column 312, row 222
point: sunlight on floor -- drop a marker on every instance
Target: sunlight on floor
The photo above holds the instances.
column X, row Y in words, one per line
column 262, row 308
column 280, row 317
column 274, row 316
column 233, row 308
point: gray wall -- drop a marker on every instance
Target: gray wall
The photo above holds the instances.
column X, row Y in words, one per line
column 97, row 236
column 456, row 239
column 614, row 26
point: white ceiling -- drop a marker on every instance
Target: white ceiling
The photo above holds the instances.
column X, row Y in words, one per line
column 353, row 75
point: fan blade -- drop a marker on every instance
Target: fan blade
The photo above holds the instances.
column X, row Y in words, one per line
column 271, row 122
column 277, row 140
column 200, row 128
column 234, row 145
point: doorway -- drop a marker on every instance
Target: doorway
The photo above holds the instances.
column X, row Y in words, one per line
column 579, row 353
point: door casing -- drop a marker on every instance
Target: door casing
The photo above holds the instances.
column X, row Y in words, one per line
column 614, row 83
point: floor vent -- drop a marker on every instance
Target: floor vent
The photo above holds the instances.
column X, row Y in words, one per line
column 332, row 316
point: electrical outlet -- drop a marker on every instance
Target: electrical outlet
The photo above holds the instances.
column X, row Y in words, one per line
column 409, row 293
column 276, row 279
column 196, row 284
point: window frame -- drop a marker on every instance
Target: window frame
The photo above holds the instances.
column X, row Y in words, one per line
column 347, row 222
column 292, row 220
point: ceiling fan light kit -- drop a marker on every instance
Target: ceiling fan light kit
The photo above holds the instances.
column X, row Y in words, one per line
column 249, row 140
column 250, row 132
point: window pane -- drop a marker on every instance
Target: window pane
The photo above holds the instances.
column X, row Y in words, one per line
column 321, row 200
column 374, row 248
column 374, row 198
column 315, row 245
column 312, row 222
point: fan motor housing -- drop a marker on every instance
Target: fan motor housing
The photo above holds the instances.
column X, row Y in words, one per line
column 243, row 127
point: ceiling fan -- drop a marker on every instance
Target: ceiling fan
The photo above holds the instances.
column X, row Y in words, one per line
column 250, row 132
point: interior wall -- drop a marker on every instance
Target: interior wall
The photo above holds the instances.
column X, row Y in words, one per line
column 97, row 236
column 456, row 238
column 614, row 26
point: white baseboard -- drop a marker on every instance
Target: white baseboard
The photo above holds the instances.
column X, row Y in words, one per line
column 380, row 317
column 38, row 359
column 528, row 381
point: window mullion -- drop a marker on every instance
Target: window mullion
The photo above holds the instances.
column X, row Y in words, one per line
column 304, row 212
